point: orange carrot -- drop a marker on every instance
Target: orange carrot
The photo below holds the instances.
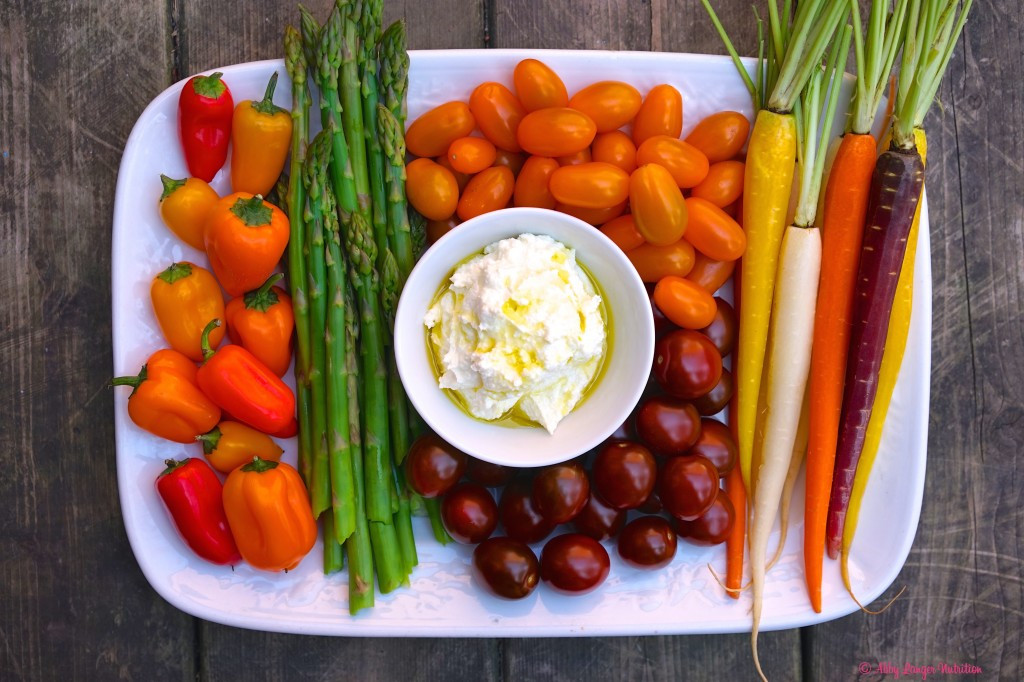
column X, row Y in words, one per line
column 846, row 201
column 737, row 494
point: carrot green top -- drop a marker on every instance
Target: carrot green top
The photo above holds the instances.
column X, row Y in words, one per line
column 875, row 56
column 933, row 27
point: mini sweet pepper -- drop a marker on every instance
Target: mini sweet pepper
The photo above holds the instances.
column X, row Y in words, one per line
column 262, row 322
column 184, row 204
column 167, row 401
column 230, row 444
column 245, row 237
column 193, row 495
column 268, row 510
column 186, row 297
column 205, row 108
column 261, row 134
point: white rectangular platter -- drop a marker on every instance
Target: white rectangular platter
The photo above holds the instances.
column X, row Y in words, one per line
column 442, row 600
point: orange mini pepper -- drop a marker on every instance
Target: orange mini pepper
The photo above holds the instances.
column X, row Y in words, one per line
column 262, row 322
column 261, row 134
column 245, row 237
column 269, row 514
column 236, row 381
column 186, row 297
column 229, row 445
column 184, row 205
column 166, row 400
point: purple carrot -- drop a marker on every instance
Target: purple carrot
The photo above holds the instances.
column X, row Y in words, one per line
column 895, row 190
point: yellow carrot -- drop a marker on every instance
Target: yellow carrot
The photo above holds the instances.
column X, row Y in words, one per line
column 767, row 183
column 892, row 359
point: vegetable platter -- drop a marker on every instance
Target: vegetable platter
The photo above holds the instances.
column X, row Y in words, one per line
column 442, row 600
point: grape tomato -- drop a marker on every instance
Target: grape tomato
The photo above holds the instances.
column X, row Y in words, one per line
column 660, row 114
column 560, row 491
column 710, row 274
column 471, row 154
column 506, row 568
column 610, row 104
column 722, row 329
column 538, row 86
column 469, row 513
column 556, row 131
column 488, row 190
column 717, row 445
column 687, row 164
column 580, row 157
column 623, row 232
column 533, row 183
column 599, row 521
column 713, row 526
column 433, row 132
column 687, row 486
column 686, row 364
column 654, row 262
column 687, row 304
column 433, row 466
column 712, row 231
column 497, row 113
column 431, row 189
column 715, row 400
column 720, row 136
column 594, row 216
column 624, row 474
column 669, row 426
column 648, row 542
column 657, row 205
column 518, row 515
column 574, row 563
column 590, row 185
column 723, row 185
column 617, row 148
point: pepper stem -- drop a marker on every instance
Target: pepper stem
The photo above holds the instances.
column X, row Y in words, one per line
column 175, row 271
column 210, row 439
column 252, row 211
column 205, row 342
column 134, row 381
column 266, row 105
column 170, row 185
column 259, row 465
column 173, row 464
column 263, row 298
column 209, row 86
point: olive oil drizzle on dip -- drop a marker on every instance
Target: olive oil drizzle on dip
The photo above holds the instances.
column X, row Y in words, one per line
column 518, row 334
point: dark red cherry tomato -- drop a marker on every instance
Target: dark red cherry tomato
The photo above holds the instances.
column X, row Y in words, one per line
column 687, row 486
column 669, row 426
column 488, row 474
column 598, row 520
column 433, row 466
column 717, row 445
column 647, row 542
column 560, row 491
column 715, row 400
column 507, row 568
column 573, row 563
column 519, row 517
column 469, row 513
column 686, row 364
column 722, row 330
column 624, row 474
column 713, row 526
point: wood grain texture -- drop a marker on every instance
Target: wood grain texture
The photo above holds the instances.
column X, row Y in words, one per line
column 73, row 603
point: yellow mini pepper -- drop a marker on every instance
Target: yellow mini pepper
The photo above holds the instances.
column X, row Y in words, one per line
column 261, row 134
column 269, row 514
column 185, row 298
column 230, row 444
column 184, row 205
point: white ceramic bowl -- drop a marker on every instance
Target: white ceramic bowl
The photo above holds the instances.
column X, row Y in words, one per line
column 631, row 342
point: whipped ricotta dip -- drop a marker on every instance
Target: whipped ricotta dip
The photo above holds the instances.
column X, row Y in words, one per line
column 519, row 329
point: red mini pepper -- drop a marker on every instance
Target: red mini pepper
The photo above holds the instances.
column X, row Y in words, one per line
column 237, row 382
column 194, row 497
column 205, row 108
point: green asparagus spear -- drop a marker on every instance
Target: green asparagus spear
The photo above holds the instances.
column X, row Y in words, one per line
column 394, row 70
column 295, row 63
column 370, row 29
column 327, row 61
column 433, row 506
column 338, row 445
column 362, row 253
column 316, row 279
column 358, row 545
column 333, row 556
column 392, row 139
column 344, row 19
column 418, row 232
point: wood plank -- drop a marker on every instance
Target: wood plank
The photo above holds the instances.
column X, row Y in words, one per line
column 73, row 80
column 964, row 598
column 580, row 25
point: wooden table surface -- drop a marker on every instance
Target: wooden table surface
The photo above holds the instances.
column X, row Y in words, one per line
column 73, row 603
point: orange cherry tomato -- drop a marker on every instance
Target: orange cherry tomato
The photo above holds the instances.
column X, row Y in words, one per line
column 686, row 163
column 439, row 228
column 461, row 179
column 615, row 148
column 720, row 136
column 554, row 132
column 657, row 205
column 712, row 231
column 590, row 185
column 497, row 113
column 594, row 216
column 723, row 184
column 471, row 154
column 654, row 262
column 533, row 181
column 512, row 160
column 487, row 191
column 610, row 104
column 686, row 304
column 431, row 189
column 431, row 133
column 623, row 232
column 582, row 156
column 660, row 114
column 538, row 87
column 710, row 274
